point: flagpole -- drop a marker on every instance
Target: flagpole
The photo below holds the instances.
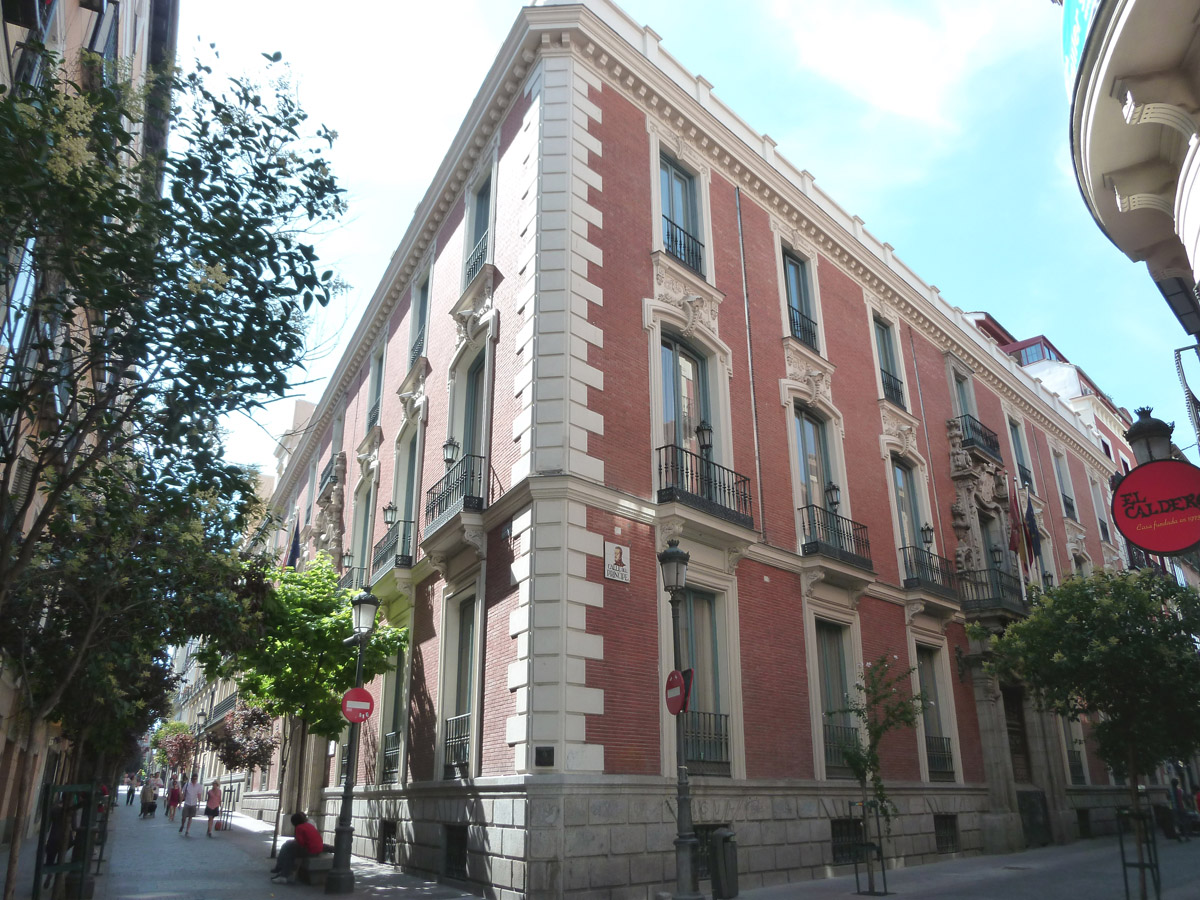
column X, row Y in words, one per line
column 1021, row 542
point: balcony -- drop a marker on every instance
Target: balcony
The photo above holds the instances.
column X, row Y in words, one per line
column 1069, row 508
column 460, row 488
column 222, row 709
column 983, row 590
column 391, row 757
column 837, row 739
column 373, row 414
column 1075, row 763
column 683, row 246
column 477, row 258
column 351, row 580
column 928, row 571
column 328, row 477
column 804, row 329
column 418, row 348
column 893, row 388
column 1104, row 532
column 706, row 743
column 1026, row 476
column 394, row 550
column 977, row 436
column 700, row 483
column 940, row 757
column 458, row 746
column 828, row 534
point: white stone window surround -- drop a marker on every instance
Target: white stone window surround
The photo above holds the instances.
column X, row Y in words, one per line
column 478, row 334
column 365, row 492
column 400, row 451
column 422, row 278
column 664, row 142
column 878, row 310
column 678, row 314
column 792, row 242
column 817, row 607
column 898, row 442
column 947, row 709
column 465, row 587
column 485, row 169
column 814, row 395
column 1014, row 417
column 708, row 571
column 1073, row 728
column 1062, row 474
column 398, row 680
column 957, row 370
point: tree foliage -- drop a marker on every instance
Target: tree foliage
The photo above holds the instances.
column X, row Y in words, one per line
column 161, row 733
column 302, row 666
column 247, row 741
column 1122, row 648
column 179, row 749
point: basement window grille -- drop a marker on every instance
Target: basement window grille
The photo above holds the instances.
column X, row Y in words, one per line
column 945, row 832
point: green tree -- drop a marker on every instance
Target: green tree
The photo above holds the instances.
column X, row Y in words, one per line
column 161, row 733
column 882, row 703
column 1120, row 647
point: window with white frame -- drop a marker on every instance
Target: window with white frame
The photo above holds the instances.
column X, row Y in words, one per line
column 420, row 319
column 834, row 692
column 311, row 492
column 939, row 752
column 801, row 318
column 375, row 388
column 889, row 368
column 908, row 503
column 361, row 541
column 962, row 395
column 1024, row 473
column 1063, row 474
column 1072, row 732
column 813, row 451
column 706, row 725
column 682, row 236
column 457, row 742
column 1101, row 511
column 480, row 214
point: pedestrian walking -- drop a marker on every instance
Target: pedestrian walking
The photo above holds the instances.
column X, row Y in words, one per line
column 174, row 798
column 212, row 804
column 129, row 790
column 148, row 800
column 191, row 800
column 306, row 843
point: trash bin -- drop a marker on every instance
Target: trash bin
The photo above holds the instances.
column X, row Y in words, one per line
column 723, row 854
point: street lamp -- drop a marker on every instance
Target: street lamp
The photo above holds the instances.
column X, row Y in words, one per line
column 927, row 536
column 340, row 879
column 449, row 451
column 833, row 497
column 674, row 562
column 1149, row 437
column 389, row 515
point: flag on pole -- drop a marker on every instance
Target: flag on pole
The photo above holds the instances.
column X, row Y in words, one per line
column 1016, row 539
column 1031, row 532
column 293, row 558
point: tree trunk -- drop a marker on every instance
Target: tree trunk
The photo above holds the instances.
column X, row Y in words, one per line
column 284, row 752
column 1139, row 828
column 867, row 840
column 300, row 764
column 22, row 784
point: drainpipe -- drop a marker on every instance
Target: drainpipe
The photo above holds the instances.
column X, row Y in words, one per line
column 762, row 516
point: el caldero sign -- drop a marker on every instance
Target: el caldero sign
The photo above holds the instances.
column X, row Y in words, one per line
column 1156, row 507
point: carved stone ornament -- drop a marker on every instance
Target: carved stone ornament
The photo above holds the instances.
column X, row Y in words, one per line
column 411, row 402
column 477, row 538
column 809, row 579
column 734, row 555
column 330, row 526
column 696, row 308
column 1076, row 539
column 816, row 382
column 669, row 529
column 468, row 320
column 901, row 432
column 368, row 465
column 978, row 486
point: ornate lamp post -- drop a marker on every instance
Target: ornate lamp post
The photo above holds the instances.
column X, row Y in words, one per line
column 833, row 497
column 341, row 878
column 674, row 562
column 449, row 452
column 1149, row 438
column 389, row 515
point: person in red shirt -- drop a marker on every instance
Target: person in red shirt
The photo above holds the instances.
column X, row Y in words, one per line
column 307, row 842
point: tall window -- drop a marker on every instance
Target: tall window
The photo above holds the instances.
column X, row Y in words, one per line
column 908, row 507
column 962, row 395
column 706, row 727
column 312, row 491
column 395, row 727
column 685, row 400
column 937, row 743
column 835, row 694
column 362, row 536
column 681, row 221
column 375, row 392
column 1062, row 473
column 1101, row 511
column 466, row 657
column 814, row 469
column 800, row 314
column 1023, row 471
column 474, row 409
column 480, row 221
column 893, row 385
column 420, row 314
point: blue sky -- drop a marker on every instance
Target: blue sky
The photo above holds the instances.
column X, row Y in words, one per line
column 943, row 124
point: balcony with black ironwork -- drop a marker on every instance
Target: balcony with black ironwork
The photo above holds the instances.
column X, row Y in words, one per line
column 940, row 757
column 1026, row 477
column 706, row 743
column 394, row 550
column 1069, row 508
column 893, row 388
column 839, row 738
column 683, row 246
column 476, row 260
column 990, row 590
column 977, row 436
column 418, row 348
column 826, row 533
column 328, row 476
column 700, row 483
column 1075, row 763
column 352, row 579
column 373, row 414
column 462, row 487
column 927, row 571
column 457, row 746
column 804, row 329
column 391, row 757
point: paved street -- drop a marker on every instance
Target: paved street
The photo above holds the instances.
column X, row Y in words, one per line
column 149, row 860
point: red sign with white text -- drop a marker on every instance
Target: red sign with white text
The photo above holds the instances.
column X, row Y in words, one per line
column 1156, row 507
column 357, row 705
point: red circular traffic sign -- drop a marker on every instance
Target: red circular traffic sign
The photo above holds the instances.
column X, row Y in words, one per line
column 357, row 705
column 676, row 693
column 1157, row 506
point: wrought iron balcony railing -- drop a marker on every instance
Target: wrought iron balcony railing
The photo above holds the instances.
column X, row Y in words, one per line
column 804, row 329
column 1026, row 476
column 351, row 579
column 984, row 589
column 1069, row 508
column 940, row 758
column 391, row 757
column 393, row 550
column 683, row 246
column 477, row 258
column 222, row 709
column 829, row 534
column 837, row 739
column 418, row 348
column 458, row 745
column 706, row 743
column 1104, row 533
column 373, row 414
column 923, row 569
column 976, row 434
column 893, row 388
column 327, row 474
column 701, row 483
column 460, row 488
column 1075, row 762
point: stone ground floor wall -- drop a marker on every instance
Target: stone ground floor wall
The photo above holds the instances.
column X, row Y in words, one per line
column 604, row 838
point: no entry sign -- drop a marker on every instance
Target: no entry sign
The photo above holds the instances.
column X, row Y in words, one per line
column 357, row 705
column 679, row 686
column 1157, row 506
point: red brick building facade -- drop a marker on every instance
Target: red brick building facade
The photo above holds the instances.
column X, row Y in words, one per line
column 619, row 318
